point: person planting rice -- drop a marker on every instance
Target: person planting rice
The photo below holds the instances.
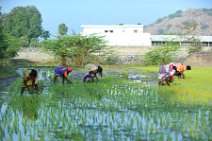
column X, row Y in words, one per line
column 63, row 72
column 166, row 74
column 180, row 69
column 30, row 79
column 92, row 73
column 99, row 70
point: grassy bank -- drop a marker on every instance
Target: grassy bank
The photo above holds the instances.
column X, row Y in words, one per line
column 195, row 88
column 7, row 69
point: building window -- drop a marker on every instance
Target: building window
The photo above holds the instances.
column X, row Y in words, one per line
column 106, row 31
column 111, row 31
column 135, row 31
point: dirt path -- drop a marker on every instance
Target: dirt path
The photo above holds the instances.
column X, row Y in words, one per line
column 34, row 55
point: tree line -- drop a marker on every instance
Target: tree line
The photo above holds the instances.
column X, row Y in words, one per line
column 18, row 28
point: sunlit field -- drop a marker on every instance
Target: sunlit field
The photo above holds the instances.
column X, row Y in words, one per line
column 116, row 108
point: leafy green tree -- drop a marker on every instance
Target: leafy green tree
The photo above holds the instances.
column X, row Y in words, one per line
column 178, row 13
column 9, row 45
column 45, row 35
column 62, row 29
column 24, row 41
column 13, row 46
column 34, row 42
column 163, row 54
column 23, row 22
column 76, row 47
column 61, row 46
column 3, row 43
column 86, row 46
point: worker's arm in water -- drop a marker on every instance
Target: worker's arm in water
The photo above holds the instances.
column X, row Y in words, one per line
column 25, row 86
column 33, row 83
column 96, row 77
column 26, row 79
column 65, row 77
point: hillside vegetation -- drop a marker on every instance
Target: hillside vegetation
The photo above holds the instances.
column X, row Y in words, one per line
column 171, row 23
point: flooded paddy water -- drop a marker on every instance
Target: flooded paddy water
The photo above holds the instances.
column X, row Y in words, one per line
column 121, row 106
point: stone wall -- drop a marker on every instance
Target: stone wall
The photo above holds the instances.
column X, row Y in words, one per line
column 134, row 55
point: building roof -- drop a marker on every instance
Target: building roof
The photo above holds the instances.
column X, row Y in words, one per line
column 178, row 38
column 113, row 26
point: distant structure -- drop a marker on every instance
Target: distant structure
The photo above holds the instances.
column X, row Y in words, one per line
column 183, row 41
column 133, row 35
column 120, row 35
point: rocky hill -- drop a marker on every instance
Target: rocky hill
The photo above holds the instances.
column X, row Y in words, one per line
column 171, row 23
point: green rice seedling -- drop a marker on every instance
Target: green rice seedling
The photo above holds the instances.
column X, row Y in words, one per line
column 2, row 135
column 20, row 138
column 16, row 124
column 194, row 89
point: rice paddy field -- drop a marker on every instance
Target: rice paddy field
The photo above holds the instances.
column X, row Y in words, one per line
column 125, row 105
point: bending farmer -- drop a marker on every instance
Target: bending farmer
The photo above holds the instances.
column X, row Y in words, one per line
column 63, row 72
column 30, row 80
column 180, row 69
column 91, row 74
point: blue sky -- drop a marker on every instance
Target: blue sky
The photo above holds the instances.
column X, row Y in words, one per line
column 74, row 13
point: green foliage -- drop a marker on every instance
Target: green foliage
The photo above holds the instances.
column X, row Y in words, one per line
column 176, row 14
column 188, row 30
column 13, row 46
column 3, row 46
column 3, row 43
column 112, row 59
column 62, row 29
column 159, row 20
column 208, row 11
column 61, row 46
column 34, row 42
column 23, row 22
column 45, row 35
column 77, row 47
column 204, row 26
column 162, row 54
column 85, row 46
column 9, row 44
column 196, row 45
column 186, row 23
column 168, row 26
column 161, row 31
column 24, row 41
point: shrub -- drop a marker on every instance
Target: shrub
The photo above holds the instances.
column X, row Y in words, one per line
column 208, row 11
column 204, row 26
column 112, row 59
column 161, row 31
column 176, row 14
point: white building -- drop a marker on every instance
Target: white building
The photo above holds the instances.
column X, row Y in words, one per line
column 160, row 39
column 133, row 35
column 120, row 35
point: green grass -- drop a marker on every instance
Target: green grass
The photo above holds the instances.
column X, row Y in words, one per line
column 195, row 88
column 7, row 70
